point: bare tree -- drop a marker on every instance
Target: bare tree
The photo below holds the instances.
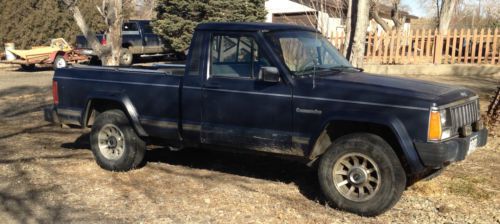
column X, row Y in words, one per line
column 358, row 40
column 396, row 17
column 112, row 12
column 143, row 9
column 348, row 32
column 374, row 13
column 445, row 13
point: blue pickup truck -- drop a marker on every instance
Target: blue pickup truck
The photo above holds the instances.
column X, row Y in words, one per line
column 138, row 39
column 283, row 90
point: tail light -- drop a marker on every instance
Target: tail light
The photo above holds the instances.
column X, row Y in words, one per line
column 55, row 92
column 103, row 40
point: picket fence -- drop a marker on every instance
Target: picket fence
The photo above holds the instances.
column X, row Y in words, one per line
column 464, row 46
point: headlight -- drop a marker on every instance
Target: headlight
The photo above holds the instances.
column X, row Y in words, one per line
column 442, row 114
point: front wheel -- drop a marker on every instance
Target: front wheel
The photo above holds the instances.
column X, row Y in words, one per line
column 361, row 173
column 126, row 57
column 114, row 143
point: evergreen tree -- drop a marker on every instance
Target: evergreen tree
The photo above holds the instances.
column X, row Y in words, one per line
column 177, row 19
column 30, row 23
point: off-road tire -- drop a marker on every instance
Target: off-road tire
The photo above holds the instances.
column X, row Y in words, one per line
column 134, row 147
column 391, row 173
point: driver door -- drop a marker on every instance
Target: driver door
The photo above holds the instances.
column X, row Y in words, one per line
column 238, row 108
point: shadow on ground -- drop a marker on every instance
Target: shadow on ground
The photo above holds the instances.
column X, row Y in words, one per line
column 254, row 165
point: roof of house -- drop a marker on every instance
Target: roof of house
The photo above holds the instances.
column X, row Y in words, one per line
column 335, row 6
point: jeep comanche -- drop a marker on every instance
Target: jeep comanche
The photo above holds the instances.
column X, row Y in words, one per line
column 280, row 89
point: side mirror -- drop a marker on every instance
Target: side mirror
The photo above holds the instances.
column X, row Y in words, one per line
column 269, row 74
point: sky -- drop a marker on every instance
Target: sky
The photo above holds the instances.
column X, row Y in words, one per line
column 415, row 8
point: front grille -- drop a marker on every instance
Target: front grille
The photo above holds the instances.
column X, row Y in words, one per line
column 464, row 114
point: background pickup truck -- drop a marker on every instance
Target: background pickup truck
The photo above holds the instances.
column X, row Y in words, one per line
column 138, row 39
column 280, row 89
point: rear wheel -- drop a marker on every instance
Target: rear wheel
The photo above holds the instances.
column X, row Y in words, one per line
column 360, row 173
column 114, row 143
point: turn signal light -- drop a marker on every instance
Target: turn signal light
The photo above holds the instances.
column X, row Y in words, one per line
column 435, row 126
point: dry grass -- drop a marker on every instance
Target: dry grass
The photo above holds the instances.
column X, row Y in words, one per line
column 48, row 175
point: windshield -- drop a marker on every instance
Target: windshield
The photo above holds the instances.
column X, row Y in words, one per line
column 304, row 52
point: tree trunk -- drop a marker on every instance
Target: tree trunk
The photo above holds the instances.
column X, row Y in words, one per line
column 374, row 14
column 112, row 11
column 358, row 49
column 395, row 15
column 348, row 21
column 115, row 21
column 445, row 15
column 89, row 34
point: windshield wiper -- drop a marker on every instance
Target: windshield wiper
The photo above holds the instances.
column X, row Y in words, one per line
column 343, row 68
column 311, row 69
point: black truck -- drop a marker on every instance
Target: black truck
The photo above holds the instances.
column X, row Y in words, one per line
column 282, row 90
column 138, row 39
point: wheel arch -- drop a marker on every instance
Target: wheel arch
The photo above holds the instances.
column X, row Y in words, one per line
column 391, row 129
column 53, row 55
column 100, row 102
column 127, row 45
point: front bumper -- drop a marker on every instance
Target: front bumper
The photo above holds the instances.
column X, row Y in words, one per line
column 440, row 154
column 50, row 115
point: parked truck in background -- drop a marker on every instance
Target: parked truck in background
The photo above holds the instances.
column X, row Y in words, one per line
column 138, row 40
column 280, row 89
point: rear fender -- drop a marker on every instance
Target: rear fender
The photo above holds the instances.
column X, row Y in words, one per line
column 122, row 100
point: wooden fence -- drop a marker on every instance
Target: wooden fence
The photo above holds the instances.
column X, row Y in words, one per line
column 465, row 46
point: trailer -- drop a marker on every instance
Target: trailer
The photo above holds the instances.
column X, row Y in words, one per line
column 59, row 54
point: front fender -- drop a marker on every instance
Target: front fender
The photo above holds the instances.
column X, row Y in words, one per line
column 119, row 98
column 392, row 122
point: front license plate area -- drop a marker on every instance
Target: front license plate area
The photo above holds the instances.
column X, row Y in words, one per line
column 472, row 144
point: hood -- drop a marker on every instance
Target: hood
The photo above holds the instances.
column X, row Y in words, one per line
column 385, row 89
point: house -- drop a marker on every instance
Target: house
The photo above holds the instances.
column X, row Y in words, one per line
column 326, row 16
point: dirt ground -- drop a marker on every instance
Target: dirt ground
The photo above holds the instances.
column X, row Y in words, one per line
column 47, row 174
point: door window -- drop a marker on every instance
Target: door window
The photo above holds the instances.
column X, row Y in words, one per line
column 235, row 56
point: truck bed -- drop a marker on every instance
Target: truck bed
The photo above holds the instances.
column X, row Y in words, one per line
column 151, row 92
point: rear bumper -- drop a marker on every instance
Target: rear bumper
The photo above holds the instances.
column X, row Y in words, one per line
column 50, row 115
column 440, row 154
column 87, row 52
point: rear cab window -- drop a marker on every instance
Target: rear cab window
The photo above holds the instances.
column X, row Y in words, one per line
column 130, row 28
